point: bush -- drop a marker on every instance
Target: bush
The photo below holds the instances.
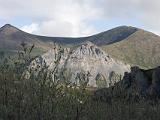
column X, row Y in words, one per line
column 42, row 98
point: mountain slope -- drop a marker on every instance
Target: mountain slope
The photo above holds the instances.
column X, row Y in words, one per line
column 129, row 44
column 114, row 35
column 111, row 36
column 11, row 37
column 142, row 48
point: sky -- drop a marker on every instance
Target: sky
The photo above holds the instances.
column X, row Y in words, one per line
column 78, row 18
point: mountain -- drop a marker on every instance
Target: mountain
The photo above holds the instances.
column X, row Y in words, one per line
column 129, row 44
column 141, row 48
column 88, row 59
column 11, row 37
column 111, row 36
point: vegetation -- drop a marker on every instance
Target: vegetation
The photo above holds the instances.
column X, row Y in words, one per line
column 100, row 81
column 42, row 98
column 141, row 49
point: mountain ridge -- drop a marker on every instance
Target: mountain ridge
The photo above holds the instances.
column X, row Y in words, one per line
column 129, row 44
column 72, row 40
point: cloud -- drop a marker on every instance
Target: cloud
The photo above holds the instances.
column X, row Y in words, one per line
column 30, row 28
column 54, row 17
column 144, row 12
column 59, row 28
column 74, row 17
column 65, row 19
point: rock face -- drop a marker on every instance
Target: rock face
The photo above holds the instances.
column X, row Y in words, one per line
column 86, row 58
column 147, row 82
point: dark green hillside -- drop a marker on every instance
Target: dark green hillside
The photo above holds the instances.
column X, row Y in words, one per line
column 111, row 36
column 141, row 48
column 11, row 37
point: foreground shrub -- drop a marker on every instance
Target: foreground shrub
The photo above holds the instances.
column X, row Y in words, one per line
column 41, row 98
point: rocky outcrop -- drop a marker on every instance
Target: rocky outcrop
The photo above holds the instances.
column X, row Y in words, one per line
column 86, row 58
column 147, row 82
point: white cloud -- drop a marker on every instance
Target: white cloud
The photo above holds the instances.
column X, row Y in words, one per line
column 59, row 28
column 144, row 12
column 30, row 28
column 73, row 17
column 65, row 18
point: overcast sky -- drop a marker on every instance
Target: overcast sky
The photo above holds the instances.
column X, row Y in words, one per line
column 79, row 17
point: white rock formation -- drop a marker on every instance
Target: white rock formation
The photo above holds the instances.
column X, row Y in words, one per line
column 87, row 58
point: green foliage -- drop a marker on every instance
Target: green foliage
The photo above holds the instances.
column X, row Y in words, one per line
column 82, row 79
column 38, row 97
column 42, row 98
column 101, row 81
column 139, row 49
column 114, row 78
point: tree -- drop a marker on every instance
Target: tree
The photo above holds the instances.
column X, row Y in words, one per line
column 101, row 81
